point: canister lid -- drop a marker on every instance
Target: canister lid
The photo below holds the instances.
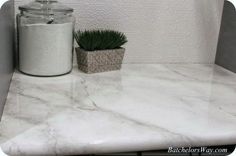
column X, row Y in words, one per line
column 45, row 6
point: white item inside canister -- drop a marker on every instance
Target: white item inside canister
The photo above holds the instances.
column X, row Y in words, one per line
column 46, row 49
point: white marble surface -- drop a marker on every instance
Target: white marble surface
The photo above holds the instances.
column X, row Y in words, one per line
column 142, row 107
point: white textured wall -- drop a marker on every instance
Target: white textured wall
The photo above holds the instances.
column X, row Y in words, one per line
column 160, row 31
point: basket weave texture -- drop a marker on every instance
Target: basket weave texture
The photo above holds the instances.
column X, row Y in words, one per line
column 100, row 61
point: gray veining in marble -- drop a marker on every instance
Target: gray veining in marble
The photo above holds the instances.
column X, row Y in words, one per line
column 141, row 107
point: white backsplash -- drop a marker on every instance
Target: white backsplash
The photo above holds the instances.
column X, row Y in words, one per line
column 159, row 31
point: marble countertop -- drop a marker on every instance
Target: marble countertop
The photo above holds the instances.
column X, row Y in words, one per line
column 141, row 107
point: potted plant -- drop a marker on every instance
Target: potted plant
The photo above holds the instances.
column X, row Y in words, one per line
column 100, row 50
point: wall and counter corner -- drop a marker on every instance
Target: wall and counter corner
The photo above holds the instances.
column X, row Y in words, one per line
column 163, row 31
column 159, row 31
column 6, row 49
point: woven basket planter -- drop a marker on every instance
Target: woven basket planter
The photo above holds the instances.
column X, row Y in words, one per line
column 100, row 61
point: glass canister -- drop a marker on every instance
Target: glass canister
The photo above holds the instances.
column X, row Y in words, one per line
column 45, row 38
